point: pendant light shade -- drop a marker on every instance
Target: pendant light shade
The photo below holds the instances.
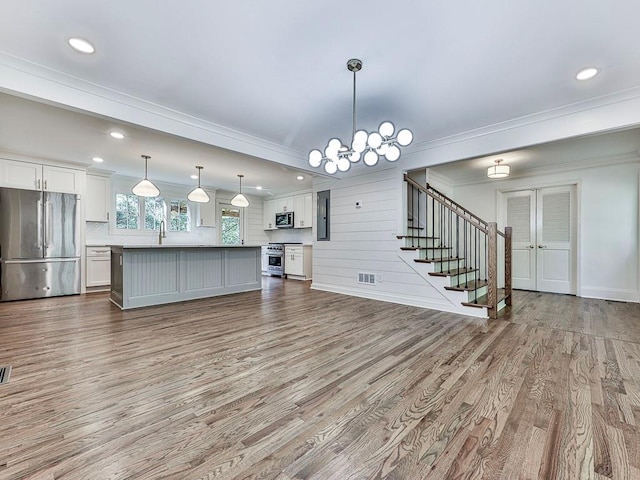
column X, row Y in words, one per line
column 198, row 194
column 144, row 188
column 240, row 200
column 498, row 171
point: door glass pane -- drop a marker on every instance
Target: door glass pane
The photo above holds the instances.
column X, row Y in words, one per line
column 230, row 225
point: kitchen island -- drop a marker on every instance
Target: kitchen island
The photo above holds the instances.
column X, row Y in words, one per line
column 144, row 275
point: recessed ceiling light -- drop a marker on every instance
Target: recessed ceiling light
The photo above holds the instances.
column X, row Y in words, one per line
column 300, row 177
column 98, row 159
column 258, row 187
column 587, row 73
column 117, row 135
column 194, row 177
column 81, row 45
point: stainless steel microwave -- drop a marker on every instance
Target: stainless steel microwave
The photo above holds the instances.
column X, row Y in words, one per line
column 284, row 220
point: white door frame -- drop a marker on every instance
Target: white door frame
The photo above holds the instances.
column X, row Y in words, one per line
column 501, row 215
column 243, row 222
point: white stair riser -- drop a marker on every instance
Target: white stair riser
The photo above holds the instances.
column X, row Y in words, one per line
column 448, row 265
column 436, row 253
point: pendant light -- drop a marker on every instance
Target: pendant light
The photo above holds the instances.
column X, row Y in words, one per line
column 144, row 188
column 369, row 147
column 240, row 200
column 498, row 171
column 198, row 194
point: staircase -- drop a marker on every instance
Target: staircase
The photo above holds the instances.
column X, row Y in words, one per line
column 458, row 253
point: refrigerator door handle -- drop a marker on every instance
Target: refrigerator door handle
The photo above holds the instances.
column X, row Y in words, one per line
column 39, row 228
column 47, row 223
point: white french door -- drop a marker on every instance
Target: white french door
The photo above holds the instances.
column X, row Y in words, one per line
column 544, row 238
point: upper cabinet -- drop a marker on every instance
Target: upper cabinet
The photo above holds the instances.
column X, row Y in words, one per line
column 97, row 198
column 34, row 176
column 207, row 212
column 269, row 210
column 303, row 211
column 300, row 205
column 284, row 204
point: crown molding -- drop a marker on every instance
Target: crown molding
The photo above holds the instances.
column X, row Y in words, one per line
column 38, row 82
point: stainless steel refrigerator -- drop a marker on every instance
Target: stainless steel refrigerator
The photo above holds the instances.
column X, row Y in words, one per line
column 39, row 244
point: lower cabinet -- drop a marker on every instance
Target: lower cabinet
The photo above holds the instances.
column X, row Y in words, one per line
column 98, row 267
column 297, row 261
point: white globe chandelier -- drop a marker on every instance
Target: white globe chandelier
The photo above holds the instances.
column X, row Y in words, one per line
column 366, row 146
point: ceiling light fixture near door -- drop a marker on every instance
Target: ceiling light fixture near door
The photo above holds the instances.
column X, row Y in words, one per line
column 498, row 170
column 198, row 194
column 117, row 135
column 368, row 146
column 240, row 200
column 81, row 45
column 144, row 188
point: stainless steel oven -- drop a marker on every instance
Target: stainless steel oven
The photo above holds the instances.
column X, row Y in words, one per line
column 275, row 254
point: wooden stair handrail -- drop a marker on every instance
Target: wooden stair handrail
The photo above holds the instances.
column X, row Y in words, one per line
column 458, row 210
column 490, row 229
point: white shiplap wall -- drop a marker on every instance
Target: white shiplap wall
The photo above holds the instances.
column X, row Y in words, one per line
column 364, row 240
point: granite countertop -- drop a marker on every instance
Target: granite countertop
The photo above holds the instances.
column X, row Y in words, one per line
column 186, row 245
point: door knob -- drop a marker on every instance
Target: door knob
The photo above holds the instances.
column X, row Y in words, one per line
column 542, row 246
column 531, row 246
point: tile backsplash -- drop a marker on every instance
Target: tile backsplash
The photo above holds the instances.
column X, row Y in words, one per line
column 97, row 233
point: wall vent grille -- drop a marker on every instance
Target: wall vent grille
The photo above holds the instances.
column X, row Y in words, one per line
column 367, row 278
column 5, row 373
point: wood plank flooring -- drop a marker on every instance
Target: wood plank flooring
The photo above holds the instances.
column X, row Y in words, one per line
column 291, row 384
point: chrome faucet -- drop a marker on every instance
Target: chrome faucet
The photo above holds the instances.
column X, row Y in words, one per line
column 162, row 233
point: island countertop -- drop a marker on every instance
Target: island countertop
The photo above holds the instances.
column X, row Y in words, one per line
column 178, row 245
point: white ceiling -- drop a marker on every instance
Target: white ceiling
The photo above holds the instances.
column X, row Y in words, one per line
column 269, row 78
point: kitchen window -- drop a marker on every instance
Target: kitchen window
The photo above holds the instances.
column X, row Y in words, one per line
column 133, row 211
column 154, row 213
column 127, row 211
column 179, row 216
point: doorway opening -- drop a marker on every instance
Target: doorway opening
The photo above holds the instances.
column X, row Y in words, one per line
column 544, row 238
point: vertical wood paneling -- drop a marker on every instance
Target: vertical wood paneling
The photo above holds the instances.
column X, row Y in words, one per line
column 153, row 272
column 244, row 271
column 203, row 268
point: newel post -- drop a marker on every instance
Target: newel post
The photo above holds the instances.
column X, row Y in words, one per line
column 508, row 232
column 492, row 260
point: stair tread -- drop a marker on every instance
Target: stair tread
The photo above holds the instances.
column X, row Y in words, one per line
column 452, row 272
column 436, row 260
column 426, row 248
column 483, row 300
column 473, row 285
column 417, row 236
column 416, row 228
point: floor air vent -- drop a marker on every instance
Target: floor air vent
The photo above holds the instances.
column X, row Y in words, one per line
column 367, row 278
column 5, row 373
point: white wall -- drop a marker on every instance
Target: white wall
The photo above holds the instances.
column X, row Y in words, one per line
column 364, row 240
column 608, row 245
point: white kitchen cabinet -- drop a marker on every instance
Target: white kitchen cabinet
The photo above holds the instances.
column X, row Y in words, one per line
column 284, row 204
column 98, row 267
column 35, row 176
column 265, row 259
column 297, row 261
column 207, row 212
column 303, row 211
column 97, row 198
column 269, row 208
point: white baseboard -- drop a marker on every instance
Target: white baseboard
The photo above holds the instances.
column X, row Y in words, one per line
column 616, row 294
column 430, row 303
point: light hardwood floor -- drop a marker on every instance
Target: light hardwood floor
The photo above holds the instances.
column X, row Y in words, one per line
column 291, row 383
